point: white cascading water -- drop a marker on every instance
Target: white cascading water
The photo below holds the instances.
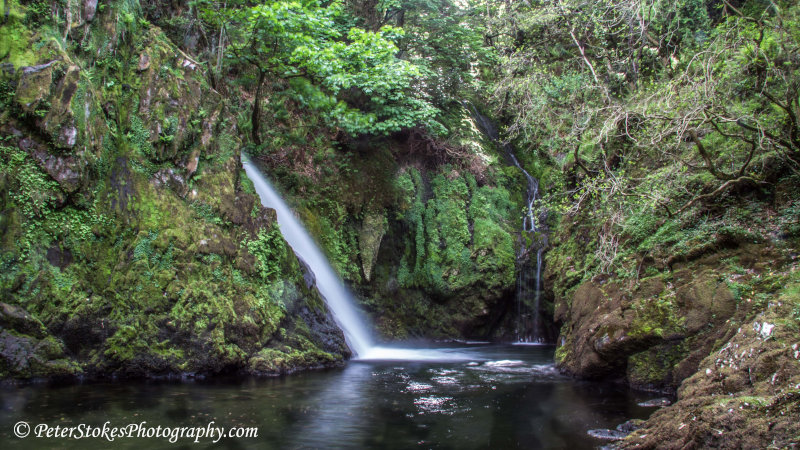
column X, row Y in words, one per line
column 328, row 283
column 529, row 226
column 330, row 286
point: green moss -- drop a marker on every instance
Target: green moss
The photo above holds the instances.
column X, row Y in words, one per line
column 656, row 317
column 139, row 137
column 270, row 360
column 653, row 367
column 270, row 251
column 16, row 38
column 562, row 354
column 207, row 213
column 152, row 282
column 461, row 234
column 494, row 249
column 246, row 185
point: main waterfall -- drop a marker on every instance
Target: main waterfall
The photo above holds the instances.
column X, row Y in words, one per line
column 330, row 286
column 336, row 295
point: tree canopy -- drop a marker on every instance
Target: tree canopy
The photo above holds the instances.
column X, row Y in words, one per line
column 352, row 75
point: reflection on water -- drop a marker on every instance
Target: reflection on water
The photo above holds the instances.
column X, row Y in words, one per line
column 502, row 397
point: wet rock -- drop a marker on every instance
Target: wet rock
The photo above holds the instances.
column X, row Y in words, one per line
column 630, row 426
column 16, row 353
column 308, row 275
column 66, row 170
column 16, row 318
column 324, row 330
column 86, row 327
column 607, row 331
column 23, row 356
column 655, row 403
column 170, row 179
column 59, row 257
column 34, row 85
column 45, row 94
column 373, row 227
column 606, row 434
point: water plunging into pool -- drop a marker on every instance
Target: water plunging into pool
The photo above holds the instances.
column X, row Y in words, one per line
column 338, row 298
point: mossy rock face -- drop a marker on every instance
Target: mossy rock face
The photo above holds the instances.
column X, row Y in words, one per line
column 744, row 392
column 16, row 318
column 68, row 171
column 708, row 302
column 34, row 85
column 448, row 259
column 428, row 243
column 45, row 94
column 656, row 333
column 654, row 368
column 373, row 228
column 131, row 246
column 24, row 356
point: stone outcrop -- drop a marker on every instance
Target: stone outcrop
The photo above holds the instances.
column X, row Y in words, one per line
column 132, row 243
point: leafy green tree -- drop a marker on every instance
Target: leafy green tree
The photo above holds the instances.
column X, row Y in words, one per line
column 352, row 75
column 444, row 38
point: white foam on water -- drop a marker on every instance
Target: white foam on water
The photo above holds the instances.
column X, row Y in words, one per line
column 410, row 354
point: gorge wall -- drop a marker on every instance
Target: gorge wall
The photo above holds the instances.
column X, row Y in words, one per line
column 132, row 242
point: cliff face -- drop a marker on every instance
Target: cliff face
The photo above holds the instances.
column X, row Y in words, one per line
column 132, row 243
column 711, row 315
column 425, row 232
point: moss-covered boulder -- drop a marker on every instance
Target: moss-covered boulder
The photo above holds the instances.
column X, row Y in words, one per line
column 744, row 393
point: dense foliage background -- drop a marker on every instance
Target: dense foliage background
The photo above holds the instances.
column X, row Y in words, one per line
column 665, row 136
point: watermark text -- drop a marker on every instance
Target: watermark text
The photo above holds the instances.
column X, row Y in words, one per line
column 211, row 432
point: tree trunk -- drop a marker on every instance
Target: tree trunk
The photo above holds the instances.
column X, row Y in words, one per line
column 255, row 119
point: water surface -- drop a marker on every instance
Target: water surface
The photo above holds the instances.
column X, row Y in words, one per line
column 494, row 397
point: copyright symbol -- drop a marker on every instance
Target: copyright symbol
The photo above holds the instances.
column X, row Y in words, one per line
column 22, row 429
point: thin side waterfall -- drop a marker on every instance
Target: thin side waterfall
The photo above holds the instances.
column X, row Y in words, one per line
column 338, row 298
column 336, row 295
column 525, row 320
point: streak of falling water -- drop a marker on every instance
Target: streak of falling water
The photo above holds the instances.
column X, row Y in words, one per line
column 330, row 286
column 338, row 298
column 529, row 226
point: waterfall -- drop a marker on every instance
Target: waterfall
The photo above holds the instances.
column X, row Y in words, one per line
column 338, row 298
column 530, row 226
column 330, row 286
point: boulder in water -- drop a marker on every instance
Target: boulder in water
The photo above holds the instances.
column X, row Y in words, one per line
column 606, row 434
column 630, row 426
column 655, row 403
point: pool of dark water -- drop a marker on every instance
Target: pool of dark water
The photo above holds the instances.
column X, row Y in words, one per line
column 498, row 397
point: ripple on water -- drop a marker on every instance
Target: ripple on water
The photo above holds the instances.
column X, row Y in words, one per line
column 447, row 381
column 434, row 404
column 547, row 370
column 504, row 363
column 418, row 387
